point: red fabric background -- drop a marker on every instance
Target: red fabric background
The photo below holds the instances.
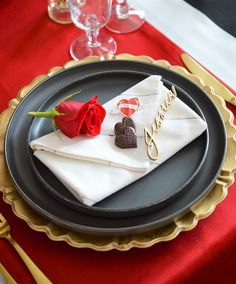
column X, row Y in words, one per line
column 30, row 44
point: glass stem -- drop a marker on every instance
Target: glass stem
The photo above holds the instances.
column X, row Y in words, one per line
column 122, row 9
column 92, row 35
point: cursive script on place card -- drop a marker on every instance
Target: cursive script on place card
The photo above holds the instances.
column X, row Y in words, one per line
column 149, row 134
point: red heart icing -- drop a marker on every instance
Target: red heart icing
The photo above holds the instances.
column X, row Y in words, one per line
column 128, row 107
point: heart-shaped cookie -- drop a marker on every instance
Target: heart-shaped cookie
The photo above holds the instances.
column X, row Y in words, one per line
column 128, row 107
column 127, row 139
column 121, row 126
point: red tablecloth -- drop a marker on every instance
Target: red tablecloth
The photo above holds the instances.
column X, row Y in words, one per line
column 30, row 44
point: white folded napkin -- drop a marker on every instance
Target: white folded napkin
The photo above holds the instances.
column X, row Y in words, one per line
column 93, row 168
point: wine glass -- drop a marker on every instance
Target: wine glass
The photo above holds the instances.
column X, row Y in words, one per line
column 91, row 16
column 59, row 12
column 124, row 19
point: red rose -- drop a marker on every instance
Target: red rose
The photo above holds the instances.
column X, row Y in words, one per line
column 74, row 118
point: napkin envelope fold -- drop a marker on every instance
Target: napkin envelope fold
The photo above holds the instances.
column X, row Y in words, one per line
column 93, row 168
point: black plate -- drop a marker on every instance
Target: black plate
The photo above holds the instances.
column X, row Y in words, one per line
column 171, row 178
column 26, row 180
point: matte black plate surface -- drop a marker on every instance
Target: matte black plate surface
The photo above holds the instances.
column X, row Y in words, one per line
column 108, row 80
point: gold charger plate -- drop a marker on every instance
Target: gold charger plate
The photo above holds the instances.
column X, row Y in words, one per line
column 200, row 210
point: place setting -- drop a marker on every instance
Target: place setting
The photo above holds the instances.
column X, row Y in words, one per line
column 115, row 151
column 119, row 182
column 166, row 199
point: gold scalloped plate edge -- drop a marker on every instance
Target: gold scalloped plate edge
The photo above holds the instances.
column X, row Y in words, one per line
column 123, row 243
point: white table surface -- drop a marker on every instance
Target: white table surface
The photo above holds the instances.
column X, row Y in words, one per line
column 195, row 33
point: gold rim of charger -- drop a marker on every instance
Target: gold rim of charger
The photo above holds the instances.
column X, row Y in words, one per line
column 200, row 210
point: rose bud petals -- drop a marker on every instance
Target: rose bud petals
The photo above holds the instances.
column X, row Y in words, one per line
column 74, row 118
